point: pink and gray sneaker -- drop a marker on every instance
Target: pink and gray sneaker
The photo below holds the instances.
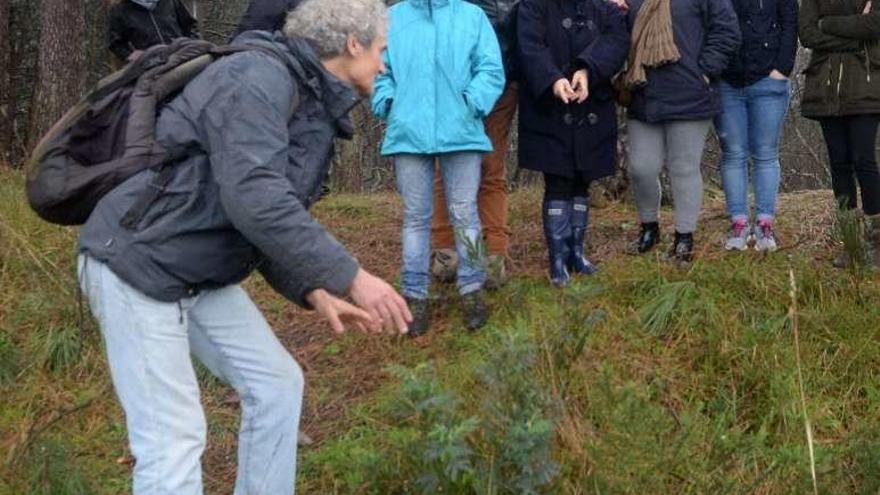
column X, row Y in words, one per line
column 765, row 237
column 740, row 234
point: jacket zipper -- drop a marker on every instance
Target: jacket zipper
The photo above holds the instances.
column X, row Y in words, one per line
column 839, row 79
column 156, row 26
column 867, row 64
column 830, row 73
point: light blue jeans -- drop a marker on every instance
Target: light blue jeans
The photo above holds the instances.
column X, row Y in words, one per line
column 148, row 348
column 749, row 127
column 461, row 182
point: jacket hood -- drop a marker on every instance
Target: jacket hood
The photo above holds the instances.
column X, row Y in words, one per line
column 301, row 58
column 147, row 4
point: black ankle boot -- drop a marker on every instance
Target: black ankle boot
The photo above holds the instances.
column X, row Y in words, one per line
column 649, row 236
column 476, row 313
column 421, row 313
column 557, row 231
column 580, row 218
column 682, row 248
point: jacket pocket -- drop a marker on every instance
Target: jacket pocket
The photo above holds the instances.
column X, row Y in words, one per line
column 861, row 81
column 816, row 84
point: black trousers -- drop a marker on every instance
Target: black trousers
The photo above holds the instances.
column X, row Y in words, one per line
column 851, row 154
column 557, row 187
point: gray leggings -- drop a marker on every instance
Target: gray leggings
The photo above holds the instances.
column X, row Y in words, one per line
column 680, row 143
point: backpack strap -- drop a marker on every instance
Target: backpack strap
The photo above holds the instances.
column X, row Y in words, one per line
column 156, row 187
column 169, row 83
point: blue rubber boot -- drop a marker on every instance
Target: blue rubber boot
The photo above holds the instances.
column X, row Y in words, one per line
column 557, row 231
column 580, row 218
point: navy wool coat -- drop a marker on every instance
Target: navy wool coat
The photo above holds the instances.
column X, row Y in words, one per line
column 555, row 39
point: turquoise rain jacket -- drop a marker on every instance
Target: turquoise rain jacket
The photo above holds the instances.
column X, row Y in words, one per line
column 444, row 73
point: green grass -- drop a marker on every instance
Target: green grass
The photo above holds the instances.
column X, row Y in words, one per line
column 643, row 379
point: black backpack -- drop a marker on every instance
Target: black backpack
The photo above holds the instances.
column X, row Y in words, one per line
column 110, row 135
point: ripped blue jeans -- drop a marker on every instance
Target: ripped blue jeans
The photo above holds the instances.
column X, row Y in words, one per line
column 461, row 181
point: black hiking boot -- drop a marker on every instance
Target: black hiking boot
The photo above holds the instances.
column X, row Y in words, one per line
column 649, row 236
column 682, row 251
column 476, row 313
column 421, row 313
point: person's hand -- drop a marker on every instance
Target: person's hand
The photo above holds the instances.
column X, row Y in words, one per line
column 340, row 313
column 562, row 89
column 621, row 4
column 135, row 55
column 775, row 74
column 867, row 9
column 580, row 85
column 379, row 299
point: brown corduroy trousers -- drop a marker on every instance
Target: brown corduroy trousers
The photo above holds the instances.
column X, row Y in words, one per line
column 492, row 197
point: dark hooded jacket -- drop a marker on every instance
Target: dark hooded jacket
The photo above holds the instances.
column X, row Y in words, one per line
column 843, row 76
column 139, row 24
column 240, row 200
column 266, row 15
column 769, row 40
column 707, row 34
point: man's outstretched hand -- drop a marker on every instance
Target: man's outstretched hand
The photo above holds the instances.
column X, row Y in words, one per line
column 339, row 313
column 381, row 301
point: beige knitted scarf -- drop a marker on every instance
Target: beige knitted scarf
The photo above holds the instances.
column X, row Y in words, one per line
column 653, row 43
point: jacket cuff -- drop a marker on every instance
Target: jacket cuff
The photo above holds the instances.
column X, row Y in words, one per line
column 294, row 289
column 546, row 84
column 338, row 282
column 784, row 68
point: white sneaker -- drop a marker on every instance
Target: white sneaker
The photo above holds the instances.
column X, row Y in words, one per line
column 765, row 238
column 740, row 234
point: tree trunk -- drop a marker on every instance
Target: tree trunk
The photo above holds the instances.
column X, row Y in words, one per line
column 5, row 87
column 62, row 64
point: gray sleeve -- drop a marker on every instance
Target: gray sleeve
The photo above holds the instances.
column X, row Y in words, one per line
column 246, row 136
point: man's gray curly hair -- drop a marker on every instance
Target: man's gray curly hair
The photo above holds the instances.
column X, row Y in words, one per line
column 328, row 23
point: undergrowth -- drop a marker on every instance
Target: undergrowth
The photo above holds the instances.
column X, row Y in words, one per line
column 642, row 379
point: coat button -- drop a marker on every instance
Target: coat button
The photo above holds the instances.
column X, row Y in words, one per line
column 593, row 118
column 568, row 118
column 567, row 23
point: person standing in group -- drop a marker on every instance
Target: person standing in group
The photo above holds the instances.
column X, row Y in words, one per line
column 755, row 93
column 569, row 51
column 842, row 92
column 492, row 197
column 265, row 15
column 444, row 73
column 679, row 50
column 135, row 25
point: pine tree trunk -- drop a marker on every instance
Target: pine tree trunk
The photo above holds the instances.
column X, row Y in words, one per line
column 62, row 64
column 5, row 87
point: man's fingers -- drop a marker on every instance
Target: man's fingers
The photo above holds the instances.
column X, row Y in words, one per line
column 350, row 311
column 335, row 322
column 399, row 320
column 375, row 325
column 385, row 313
column 403, row 306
